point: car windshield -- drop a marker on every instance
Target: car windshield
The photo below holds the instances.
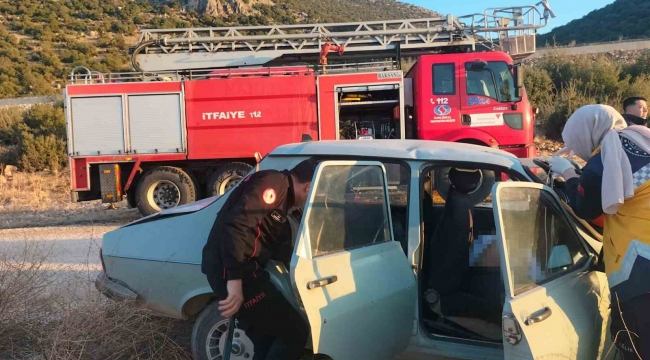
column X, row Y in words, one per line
column 483, row 82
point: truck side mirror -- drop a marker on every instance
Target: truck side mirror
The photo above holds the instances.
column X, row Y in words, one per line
column 519, row 81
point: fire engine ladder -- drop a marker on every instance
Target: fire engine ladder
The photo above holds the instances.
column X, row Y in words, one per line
column 510, row 29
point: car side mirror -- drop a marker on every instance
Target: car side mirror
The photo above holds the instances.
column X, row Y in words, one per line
column 560, row 257
column 519, row 81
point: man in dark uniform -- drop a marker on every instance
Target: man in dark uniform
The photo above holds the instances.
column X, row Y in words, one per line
column 250, row 229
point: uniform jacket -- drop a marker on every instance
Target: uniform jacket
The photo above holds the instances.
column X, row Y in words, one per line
column 251, row 228
column 632, row 221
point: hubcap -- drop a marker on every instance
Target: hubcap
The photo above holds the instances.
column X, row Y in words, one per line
column 242, row 346
column 164, row 194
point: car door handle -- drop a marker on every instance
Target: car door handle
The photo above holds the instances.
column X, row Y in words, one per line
column 538, row 316
column 321, row 282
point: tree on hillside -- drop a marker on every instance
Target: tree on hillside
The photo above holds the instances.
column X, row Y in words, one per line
column 622, row 19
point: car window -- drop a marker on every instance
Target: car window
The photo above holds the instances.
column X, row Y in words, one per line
column 540, row 242
column 349, row 210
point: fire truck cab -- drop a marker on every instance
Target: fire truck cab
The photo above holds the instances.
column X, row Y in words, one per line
column 476, row 98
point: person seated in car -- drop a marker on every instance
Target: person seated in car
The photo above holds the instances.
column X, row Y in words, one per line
column 615, row 182
column 449, row 253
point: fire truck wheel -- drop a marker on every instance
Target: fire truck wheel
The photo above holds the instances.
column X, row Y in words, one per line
column 441, row 184
column 164, row 187
column 226, row 177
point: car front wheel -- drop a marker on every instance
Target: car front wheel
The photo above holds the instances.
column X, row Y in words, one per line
column 209, row 337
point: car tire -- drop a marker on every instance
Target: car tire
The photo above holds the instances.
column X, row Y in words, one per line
column 164, row 187
column 442, row 184
column 209, row 331
column 226, row 177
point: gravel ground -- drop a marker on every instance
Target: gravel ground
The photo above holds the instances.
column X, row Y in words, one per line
column 70, row 253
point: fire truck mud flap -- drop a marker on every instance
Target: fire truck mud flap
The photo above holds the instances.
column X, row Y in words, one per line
column 441, row 183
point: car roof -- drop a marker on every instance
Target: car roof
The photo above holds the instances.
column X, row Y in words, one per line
column 426, row 150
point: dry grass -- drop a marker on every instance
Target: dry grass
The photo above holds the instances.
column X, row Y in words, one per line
column 36, row 191
column 43, row 199
column 47, row 316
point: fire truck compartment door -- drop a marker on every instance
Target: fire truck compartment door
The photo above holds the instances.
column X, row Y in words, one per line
column 156, row 123
column 97, row 125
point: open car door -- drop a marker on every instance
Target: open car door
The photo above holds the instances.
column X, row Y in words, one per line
column 555, row 307
column 353, row 279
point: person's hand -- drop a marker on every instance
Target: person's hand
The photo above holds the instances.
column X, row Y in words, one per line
column 562, row 166
column 230, row 306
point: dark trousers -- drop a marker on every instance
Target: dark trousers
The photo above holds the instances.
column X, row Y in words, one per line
column 277, row 330
column 636, row 317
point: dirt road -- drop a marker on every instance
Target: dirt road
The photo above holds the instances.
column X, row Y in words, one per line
column 69, row 254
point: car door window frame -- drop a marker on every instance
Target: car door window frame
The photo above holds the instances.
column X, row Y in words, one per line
column 554, row 205
column 307, row 251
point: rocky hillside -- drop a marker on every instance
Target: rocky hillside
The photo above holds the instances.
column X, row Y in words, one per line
column 622, row 19
column 41, row 41
column 305, row 10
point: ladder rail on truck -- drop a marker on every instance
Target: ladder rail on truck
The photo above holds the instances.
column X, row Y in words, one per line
column 171, row 64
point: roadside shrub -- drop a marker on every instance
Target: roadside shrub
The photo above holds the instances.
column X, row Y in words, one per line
column 42, row 152
column 9, row 119
column 555, row 111
column 539, row 85
column 638, row 68
column 42, row 139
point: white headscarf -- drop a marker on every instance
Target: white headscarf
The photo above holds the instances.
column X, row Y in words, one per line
column 600, row 125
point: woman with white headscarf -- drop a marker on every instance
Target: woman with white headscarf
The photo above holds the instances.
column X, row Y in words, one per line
column 615, row 182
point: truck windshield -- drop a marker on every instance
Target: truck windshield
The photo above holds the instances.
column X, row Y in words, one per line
column 482, row 82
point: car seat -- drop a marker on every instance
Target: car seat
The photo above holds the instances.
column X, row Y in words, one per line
column 448, row 261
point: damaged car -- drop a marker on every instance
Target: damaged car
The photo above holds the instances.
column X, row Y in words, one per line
column 405, row 249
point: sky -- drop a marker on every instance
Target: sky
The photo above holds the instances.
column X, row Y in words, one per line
column 566, row 10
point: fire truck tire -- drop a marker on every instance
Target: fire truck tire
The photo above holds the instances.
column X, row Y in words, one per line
column 441, row 184
column 226, row 177
column 164, row 187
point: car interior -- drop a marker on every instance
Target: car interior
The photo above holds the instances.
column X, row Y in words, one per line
column 461, row 286
column 462, row 290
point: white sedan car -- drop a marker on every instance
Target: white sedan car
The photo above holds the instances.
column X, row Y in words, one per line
column 380, row 270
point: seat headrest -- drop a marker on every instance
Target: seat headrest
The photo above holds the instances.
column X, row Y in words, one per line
column 465, row 181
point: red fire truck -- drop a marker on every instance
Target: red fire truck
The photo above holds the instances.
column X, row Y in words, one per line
column 203, row 104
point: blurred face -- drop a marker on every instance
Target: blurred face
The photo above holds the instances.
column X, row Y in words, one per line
column 640, row 109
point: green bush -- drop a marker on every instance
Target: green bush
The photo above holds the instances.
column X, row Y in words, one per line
column 555, row 110
column 538, row 84
column 9, row 120
column 581, row 80
column 35, row 139
column 42, row 152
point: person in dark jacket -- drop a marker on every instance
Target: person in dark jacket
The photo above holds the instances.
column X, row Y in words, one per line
column 250, row 229
column 635, row 111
